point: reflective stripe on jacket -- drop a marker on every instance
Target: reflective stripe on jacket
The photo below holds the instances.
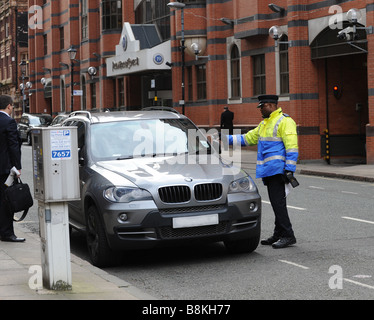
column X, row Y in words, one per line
column 277, row 148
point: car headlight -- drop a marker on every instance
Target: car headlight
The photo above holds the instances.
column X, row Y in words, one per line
column 126, row 194
column 245, row 184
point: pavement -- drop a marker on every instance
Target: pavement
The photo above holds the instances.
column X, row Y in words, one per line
column 18, row 260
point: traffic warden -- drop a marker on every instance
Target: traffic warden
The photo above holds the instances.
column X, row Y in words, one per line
column 277, row 154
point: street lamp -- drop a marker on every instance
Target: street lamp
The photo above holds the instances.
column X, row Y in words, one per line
column 22, row 85
column 72, row 54
column 181, row 6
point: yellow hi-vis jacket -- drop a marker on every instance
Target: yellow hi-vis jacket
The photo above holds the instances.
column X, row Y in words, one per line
column 277, row 146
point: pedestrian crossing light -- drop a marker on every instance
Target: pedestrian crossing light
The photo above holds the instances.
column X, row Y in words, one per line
column 337, row 92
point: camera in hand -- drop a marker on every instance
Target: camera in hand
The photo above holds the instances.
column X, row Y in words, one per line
column 292, row 179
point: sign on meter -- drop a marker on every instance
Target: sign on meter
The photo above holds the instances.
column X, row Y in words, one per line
column 61, row 144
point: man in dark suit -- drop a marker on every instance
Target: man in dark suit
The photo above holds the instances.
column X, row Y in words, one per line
column 227, row 118
column 10, row 156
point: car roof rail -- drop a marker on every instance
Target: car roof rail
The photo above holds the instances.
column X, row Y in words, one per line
column 160, row 108
column 81, row 112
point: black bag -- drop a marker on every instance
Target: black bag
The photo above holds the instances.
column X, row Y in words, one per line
column 19, row 198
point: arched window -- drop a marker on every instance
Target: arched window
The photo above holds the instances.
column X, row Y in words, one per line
column 235, row 72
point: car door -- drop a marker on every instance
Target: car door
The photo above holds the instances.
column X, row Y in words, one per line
column 76, row 208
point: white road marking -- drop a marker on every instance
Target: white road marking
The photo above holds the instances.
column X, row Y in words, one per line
column 348, row 192
column 294, row 264
column 291, row 207
column 359, row 220
column 319, row 188
column 359, row 283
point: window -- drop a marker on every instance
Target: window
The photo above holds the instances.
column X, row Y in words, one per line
column 235, row 73
column 283, row 66
column 155, row 12
column 45, row 44
column 121, row 92
column 112, row 14
column 189, row 84
column 84, row 20
column 93, row 95
column 84, row 93
column 259, row 78
column 62, row 38
column 201, row 82
column 63, row 96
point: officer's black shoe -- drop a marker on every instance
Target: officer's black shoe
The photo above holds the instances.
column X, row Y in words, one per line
column 284, row 242
column 269, row 241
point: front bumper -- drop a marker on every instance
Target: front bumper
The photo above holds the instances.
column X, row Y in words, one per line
column 236, row 220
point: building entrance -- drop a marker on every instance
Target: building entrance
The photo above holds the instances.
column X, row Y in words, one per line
column 343, row 99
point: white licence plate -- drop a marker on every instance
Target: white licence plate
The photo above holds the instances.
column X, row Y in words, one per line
column 195, row 221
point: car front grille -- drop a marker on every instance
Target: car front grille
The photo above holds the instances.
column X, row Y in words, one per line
column 178, row 194
column 175, row 194
column 208, row 191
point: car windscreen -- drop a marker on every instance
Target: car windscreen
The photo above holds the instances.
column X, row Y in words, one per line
column 146, row 138
column 37, row 121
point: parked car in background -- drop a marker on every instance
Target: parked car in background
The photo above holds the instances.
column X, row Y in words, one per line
column 57, row 120
column 151, row 178
column 31, row 121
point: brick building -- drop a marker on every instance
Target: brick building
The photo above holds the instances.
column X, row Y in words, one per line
column 13, row 49
column 137, row 64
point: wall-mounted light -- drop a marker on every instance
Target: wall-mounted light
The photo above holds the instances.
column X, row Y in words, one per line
column 276, row 33
column 277, row 9
column 197, row 50
column 227, row 21
column 92, row 71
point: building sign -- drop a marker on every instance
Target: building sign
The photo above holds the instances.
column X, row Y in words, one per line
column 128, row 64
column 158, row 58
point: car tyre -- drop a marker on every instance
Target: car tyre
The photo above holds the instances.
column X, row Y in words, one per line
column 243, row 245
column 100, row 253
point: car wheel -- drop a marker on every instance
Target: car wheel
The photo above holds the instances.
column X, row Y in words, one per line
column 243, row 245
column 100, row 253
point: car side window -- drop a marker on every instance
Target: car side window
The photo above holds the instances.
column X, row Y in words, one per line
column 81, row 134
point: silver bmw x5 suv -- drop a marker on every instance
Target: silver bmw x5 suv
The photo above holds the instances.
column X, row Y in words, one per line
column 151, row 178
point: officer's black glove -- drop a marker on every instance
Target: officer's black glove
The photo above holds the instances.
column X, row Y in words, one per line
column 291, row 179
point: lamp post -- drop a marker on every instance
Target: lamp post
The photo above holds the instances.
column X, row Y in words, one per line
column 22, row 85
column 72, row 53
column 181, row 6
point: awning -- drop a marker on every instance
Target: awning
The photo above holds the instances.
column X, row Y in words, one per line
column 140, row 49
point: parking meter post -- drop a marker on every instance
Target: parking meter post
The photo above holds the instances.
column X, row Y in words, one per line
column 56, row 181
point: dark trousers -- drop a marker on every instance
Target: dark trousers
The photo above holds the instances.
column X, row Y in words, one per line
column 6, row 216
column 277, row 195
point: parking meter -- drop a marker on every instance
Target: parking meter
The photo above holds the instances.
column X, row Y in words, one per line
column 56, row 181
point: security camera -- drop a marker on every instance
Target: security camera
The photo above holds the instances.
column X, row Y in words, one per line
column 195, row 48
column 346, row 34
